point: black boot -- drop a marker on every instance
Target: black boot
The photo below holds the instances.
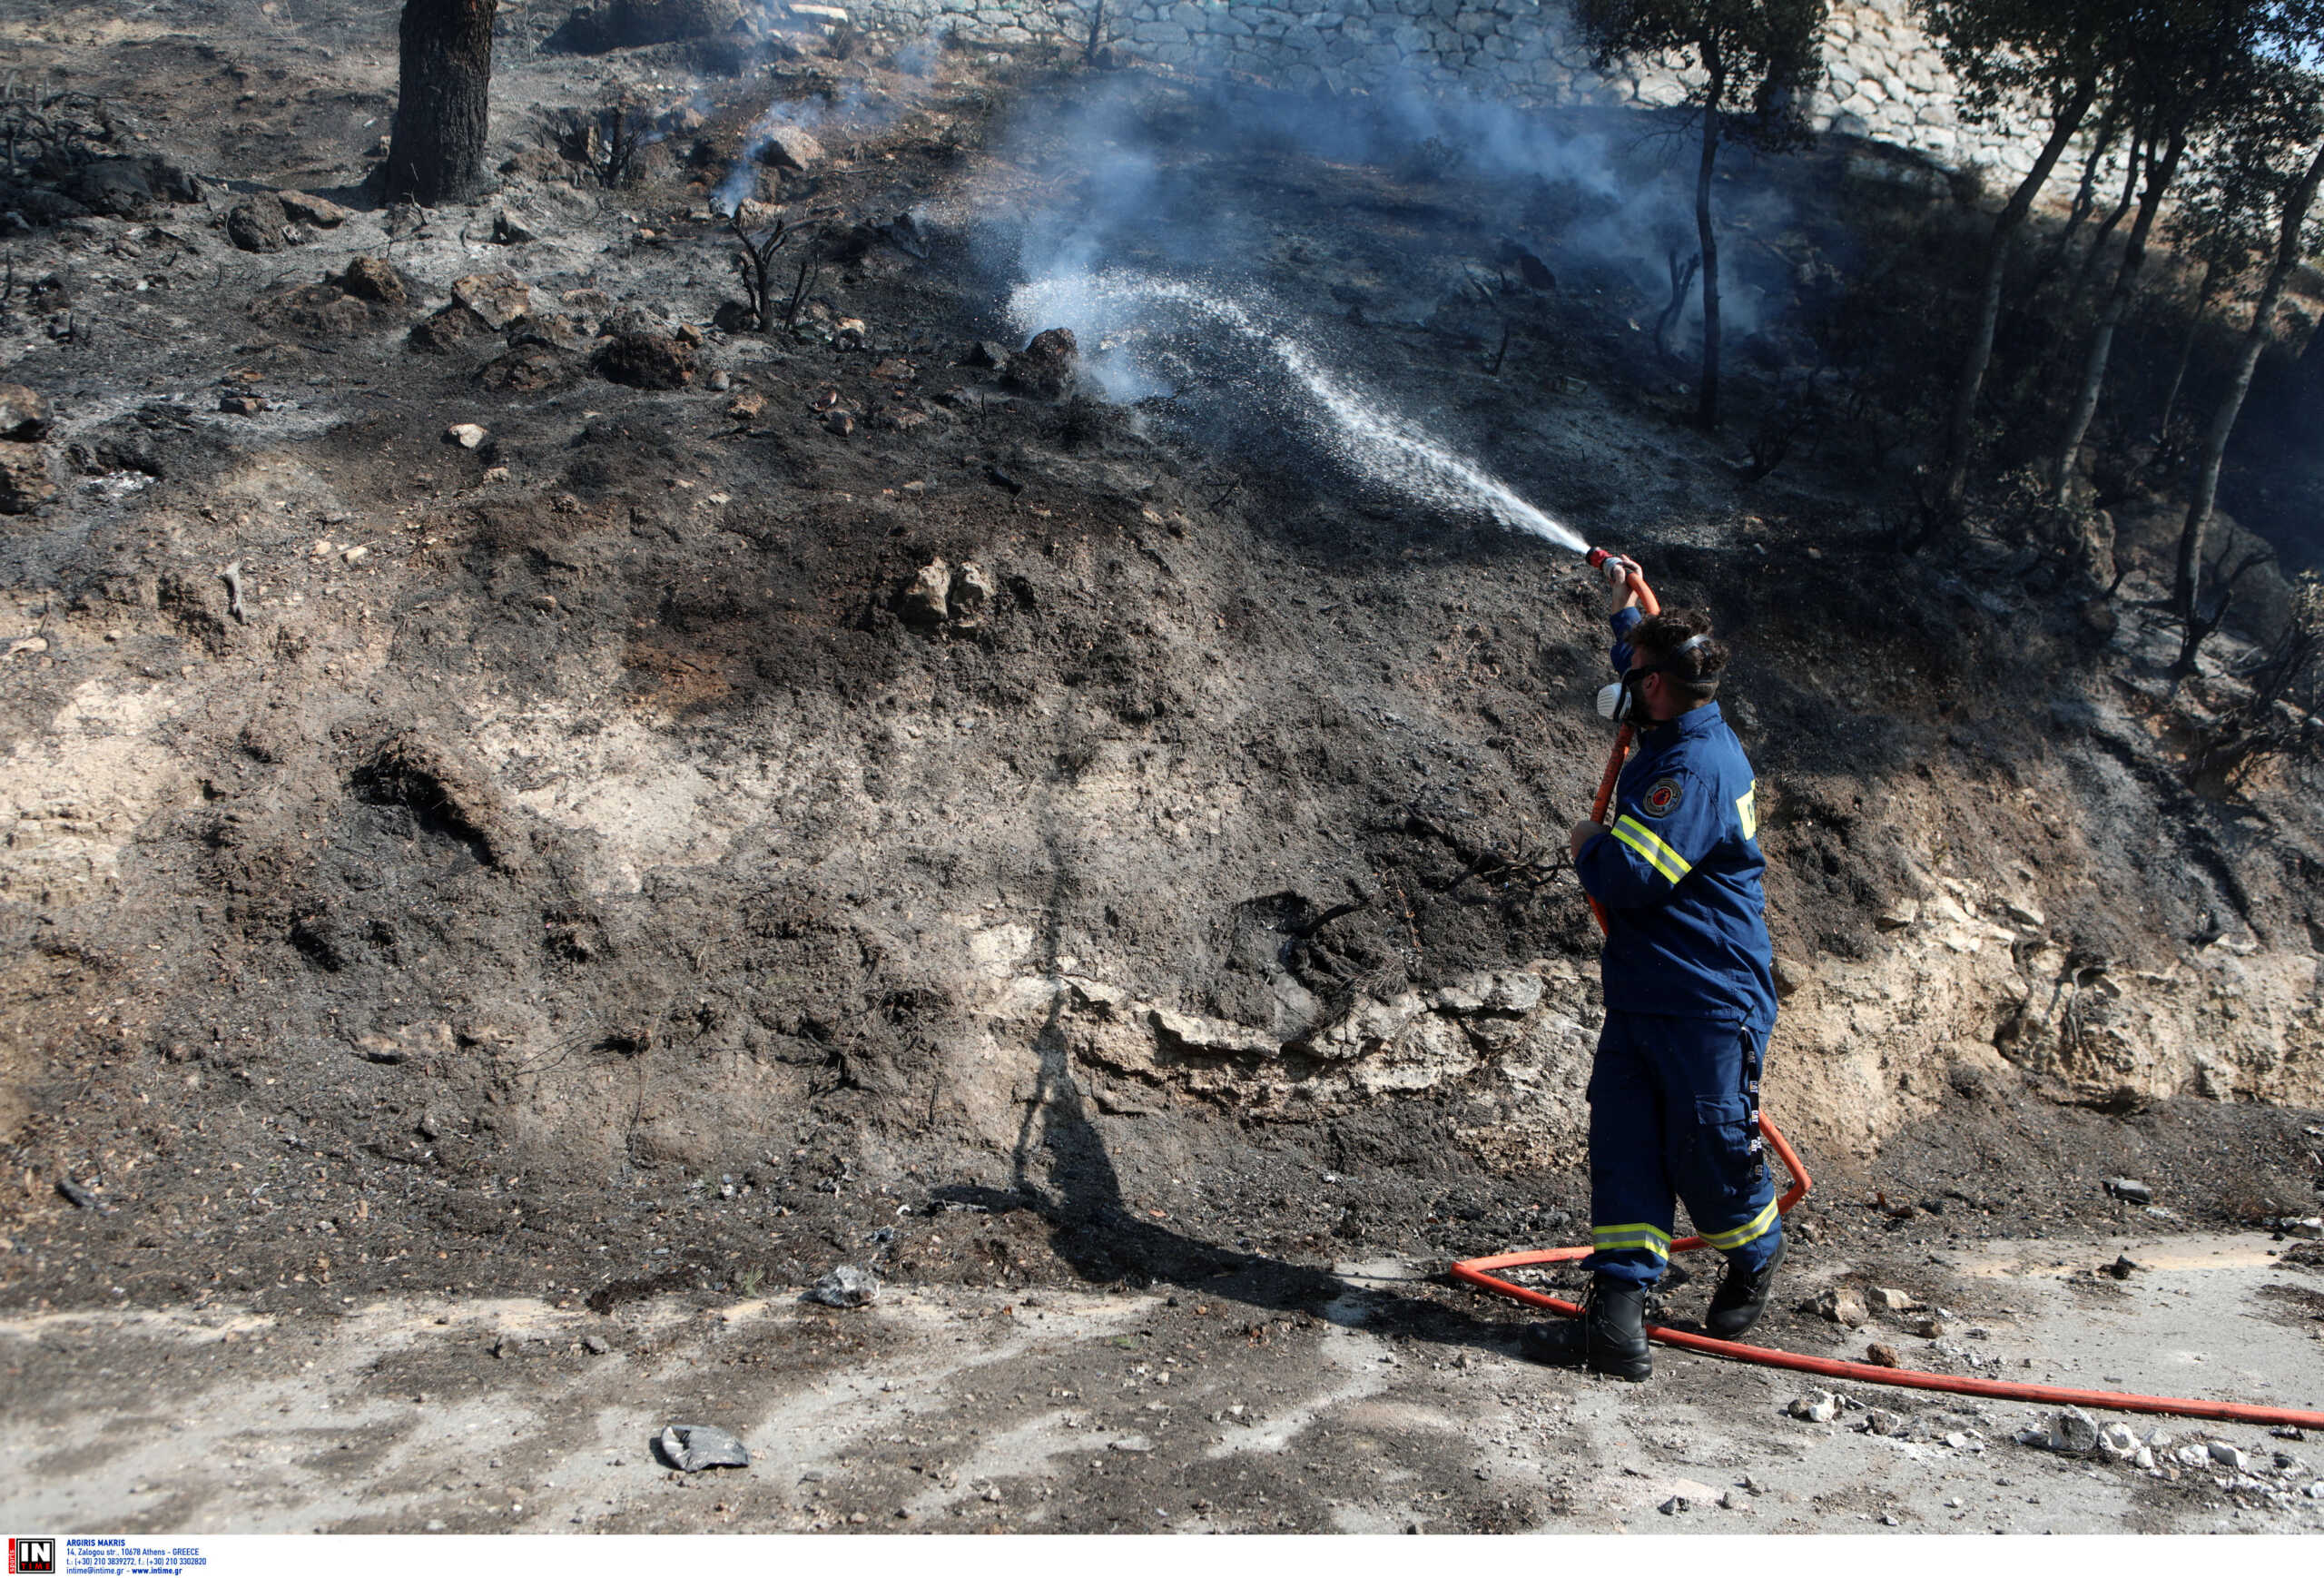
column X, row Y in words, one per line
column 1741, row 1295
column 1610, row 1336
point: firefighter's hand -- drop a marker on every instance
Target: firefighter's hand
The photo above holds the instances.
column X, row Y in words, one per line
column 1583, row 832
column 1618, row 577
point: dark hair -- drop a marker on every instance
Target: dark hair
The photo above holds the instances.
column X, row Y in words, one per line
column 1696, row 671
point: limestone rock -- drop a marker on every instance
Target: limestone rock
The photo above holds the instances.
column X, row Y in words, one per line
column 1819, row 1407
column 1839, row 1305
column 926, row 597
column 306, row 209
column 790, row 148
column 23, row 413
column 1899, row 915
column 500, row 299
column 25, row 484
column 971, row 596
column 1194, row 1033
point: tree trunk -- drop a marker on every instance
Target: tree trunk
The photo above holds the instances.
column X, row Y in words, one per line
column 2140, row 149
column 437, row 152
column 2297, row 202
column 1961, row 430
column 1715, row 66
column 2085, row 194
column 2118, row 301
column 2186, row 350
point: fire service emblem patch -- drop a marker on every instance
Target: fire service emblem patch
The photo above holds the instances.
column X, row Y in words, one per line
column 1662, row 797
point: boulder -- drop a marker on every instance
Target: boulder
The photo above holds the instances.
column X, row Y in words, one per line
column 258, row 223
column 644, row 361
column 500, row 299
column 791, row 148
column 1044, row 369
column 372, row 280
column 442, row 332
column 318, row 212
column 926, row 597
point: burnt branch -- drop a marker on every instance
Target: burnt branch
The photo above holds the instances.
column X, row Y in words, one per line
column 753, row 264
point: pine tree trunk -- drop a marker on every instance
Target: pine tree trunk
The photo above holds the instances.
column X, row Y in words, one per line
column 436, row 155
column 2118, row 301
column 1961, row 428
column 2297, row 202
column 1715, row 65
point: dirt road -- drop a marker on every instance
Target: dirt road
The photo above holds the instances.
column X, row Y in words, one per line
column 1087, row 1410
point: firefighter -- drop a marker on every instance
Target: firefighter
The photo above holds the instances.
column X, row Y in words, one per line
column 1689, row 986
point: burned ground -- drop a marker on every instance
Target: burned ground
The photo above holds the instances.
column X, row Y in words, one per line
column 585, row 867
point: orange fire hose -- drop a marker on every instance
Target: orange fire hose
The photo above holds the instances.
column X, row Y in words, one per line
column 1478, row 1272
column 1654, row 605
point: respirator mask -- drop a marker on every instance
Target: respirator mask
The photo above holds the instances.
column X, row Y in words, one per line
column 1624, row 701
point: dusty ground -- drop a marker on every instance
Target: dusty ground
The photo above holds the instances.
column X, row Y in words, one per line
column 577, row 880
column 1365, row 1402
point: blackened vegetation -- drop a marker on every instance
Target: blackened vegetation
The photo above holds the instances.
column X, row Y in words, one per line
column 68, row 155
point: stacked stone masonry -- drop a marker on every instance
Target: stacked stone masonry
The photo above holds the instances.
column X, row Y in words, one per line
column 1887, row 80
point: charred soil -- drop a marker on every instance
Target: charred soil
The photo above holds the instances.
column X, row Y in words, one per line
column 769, row 797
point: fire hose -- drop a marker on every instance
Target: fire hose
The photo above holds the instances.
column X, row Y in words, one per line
column 1478, row 1271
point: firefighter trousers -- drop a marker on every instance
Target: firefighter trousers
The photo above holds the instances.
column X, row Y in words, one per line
column 1674, row 1117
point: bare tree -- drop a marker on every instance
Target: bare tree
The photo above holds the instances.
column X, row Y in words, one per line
column 436, row 153
column 1760, row 60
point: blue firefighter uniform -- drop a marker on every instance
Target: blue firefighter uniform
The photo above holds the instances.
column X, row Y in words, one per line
column 1689, row 984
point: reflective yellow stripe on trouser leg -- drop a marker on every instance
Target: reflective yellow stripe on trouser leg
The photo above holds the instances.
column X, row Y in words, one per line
column 1643, row 1236
column 1736, row 1237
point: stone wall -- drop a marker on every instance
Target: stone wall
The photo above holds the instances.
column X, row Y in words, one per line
column 1887, row 80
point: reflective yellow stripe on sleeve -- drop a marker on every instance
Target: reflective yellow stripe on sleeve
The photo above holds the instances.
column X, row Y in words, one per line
column 1652, row 850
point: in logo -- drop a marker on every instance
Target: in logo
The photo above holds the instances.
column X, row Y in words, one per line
column 31, row 1556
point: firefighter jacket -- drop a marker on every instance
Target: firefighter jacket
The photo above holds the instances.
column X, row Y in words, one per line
column 1679, row 876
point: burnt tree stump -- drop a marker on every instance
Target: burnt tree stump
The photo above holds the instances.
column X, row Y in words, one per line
column 436, row 153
